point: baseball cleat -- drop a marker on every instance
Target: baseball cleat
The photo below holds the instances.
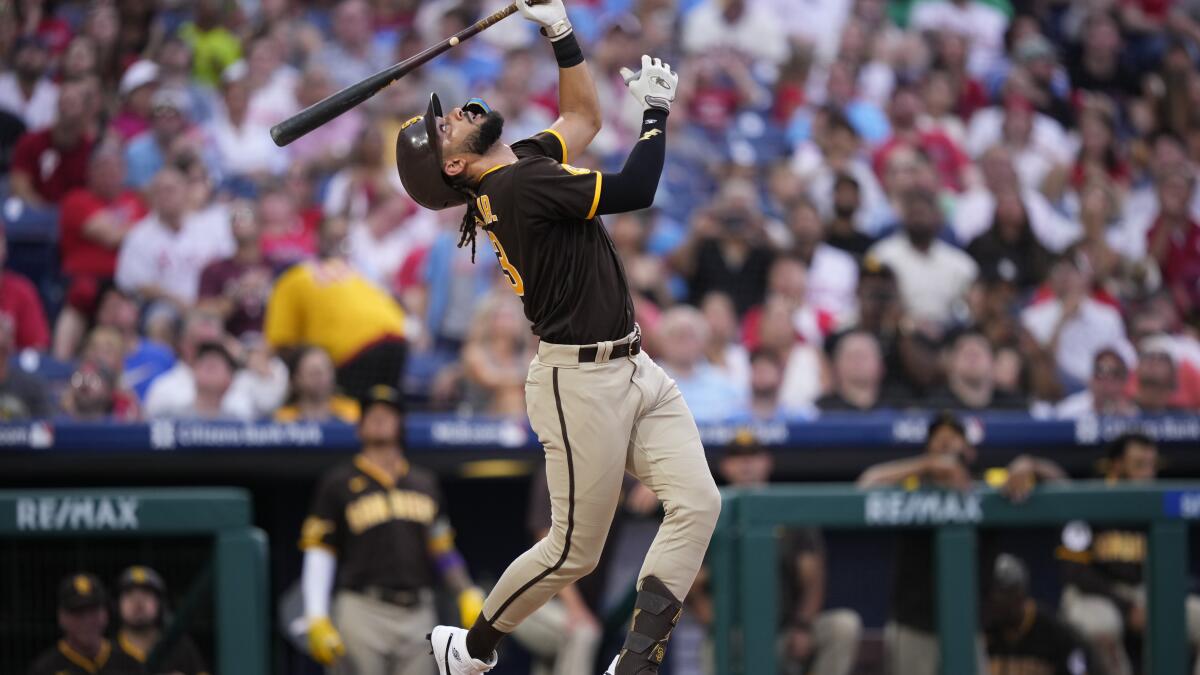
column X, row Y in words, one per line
column 449, row 646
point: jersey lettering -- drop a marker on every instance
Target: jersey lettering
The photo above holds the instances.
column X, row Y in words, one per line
column 378, row 507
column 510, row 272
column 485, row 207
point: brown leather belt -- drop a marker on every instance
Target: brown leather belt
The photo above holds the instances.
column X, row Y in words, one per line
column 632, row 348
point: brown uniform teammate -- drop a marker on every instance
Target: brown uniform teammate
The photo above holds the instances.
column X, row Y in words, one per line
column 83, row 650
column 377, row 534
column 598, row 404
column 141, row 608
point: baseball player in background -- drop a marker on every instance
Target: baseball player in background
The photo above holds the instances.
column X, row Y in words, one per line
column 83, row 649
column 142, row 610
column 378, row 535
column 599, row 405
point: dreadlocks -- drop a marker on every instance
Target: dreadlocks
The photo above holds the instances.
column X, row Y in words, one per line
column 470, row 219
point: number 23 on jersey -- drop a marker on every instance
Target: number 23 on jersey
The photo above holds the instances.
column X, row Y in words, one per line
column 510, row 270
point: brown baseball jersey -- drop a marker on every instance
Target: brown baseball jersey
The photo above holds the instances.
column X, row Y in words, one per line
column 378, row 528
column 184, row 657
column 540, row 215
column 61, row 659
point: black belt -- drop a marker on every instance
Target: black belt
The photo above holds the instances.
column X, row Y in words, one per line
column 631, row 348
column 400, row 598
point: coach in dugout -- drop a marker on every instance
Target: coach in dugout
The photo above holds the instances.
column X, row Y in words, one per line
column 142, row 609
column 1104, row 597
column 376, row 540
column 83, row 618
column 909, row 637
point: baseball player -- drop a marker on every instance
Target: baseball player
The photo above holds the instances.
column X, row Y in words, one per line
column 599, row 405
column 141, row 608
column 377, row 534
column 83, row 649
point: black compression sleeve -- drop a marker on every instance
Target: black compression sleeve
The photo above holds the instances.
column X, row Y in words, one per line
column 567, row 51
column 634, row 187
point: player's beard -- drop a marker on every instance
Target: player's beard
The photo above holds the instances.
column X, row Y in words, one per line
column 488, row 134
column 140, row 624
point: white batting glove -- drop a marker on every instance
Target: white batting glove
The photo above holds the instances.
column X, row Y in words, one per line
column 551, row 15
column 654, row 86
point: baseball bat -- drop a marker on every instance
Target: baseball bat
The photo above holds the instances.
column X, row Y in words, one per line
column 335, row 104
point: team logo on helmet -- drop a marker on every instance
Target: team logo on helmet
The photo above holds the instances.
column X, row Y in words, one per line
column 411, row 122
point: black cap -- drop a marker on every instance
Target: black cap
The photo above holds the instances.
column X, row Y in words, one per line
column 874, row 267
column 419, row 161
column 140, row 576
column 744, row 443
column 945, row 418
column 381, row 394
column 81, row 590
column 1010, row 573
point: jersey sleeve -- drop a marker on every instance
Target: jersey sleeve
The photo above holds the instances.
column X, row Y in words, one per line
column 323, row 527
column 548, row 143
column 548, row 189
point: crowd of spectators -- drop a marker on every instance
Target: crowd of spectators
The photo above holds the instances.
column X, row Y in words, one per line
column 973, row 204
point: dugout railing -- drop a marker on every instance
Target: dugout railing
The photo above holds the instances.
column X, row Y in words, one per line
column 238, row 566
column 745, row 567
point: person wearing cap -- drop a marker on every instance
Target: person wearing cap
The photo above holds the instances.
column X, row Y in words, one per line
column 142, row 611
column 93, row 221
column 1104, row 591
column 910, row 637
column 375, row 543
column 26, row 91
column 1049, row 88
column 1022, row 635
column 137, row 87
column 83, row 649
column 910, row 357
column 48, row 163
column 148, row 152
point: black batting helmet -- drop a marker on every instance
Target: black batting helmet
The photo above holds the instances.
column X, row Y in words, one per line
column 419, row 161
